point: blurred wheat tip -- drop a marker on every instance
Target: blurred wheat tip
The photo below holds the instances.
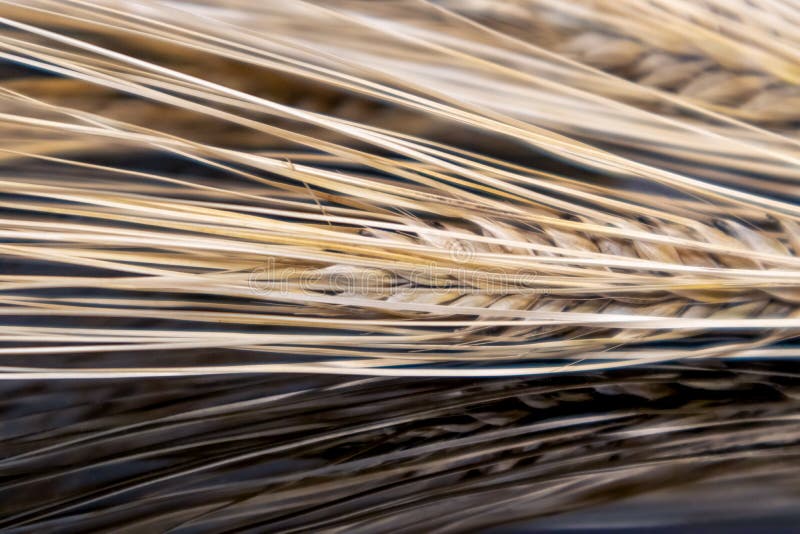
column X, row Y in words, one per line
column 282, row 193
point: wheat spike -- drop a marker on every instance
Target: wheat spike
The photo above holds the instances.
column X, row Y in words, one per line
column 416, row 252
column 349, row 266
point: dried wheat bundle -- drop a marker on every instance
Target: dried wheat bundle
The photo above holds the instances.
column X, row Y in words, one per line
column 394, row 189
column 557, row 243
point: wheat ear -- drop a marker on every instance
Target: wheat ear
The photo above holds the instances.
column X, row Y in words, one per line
column 412, row 256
